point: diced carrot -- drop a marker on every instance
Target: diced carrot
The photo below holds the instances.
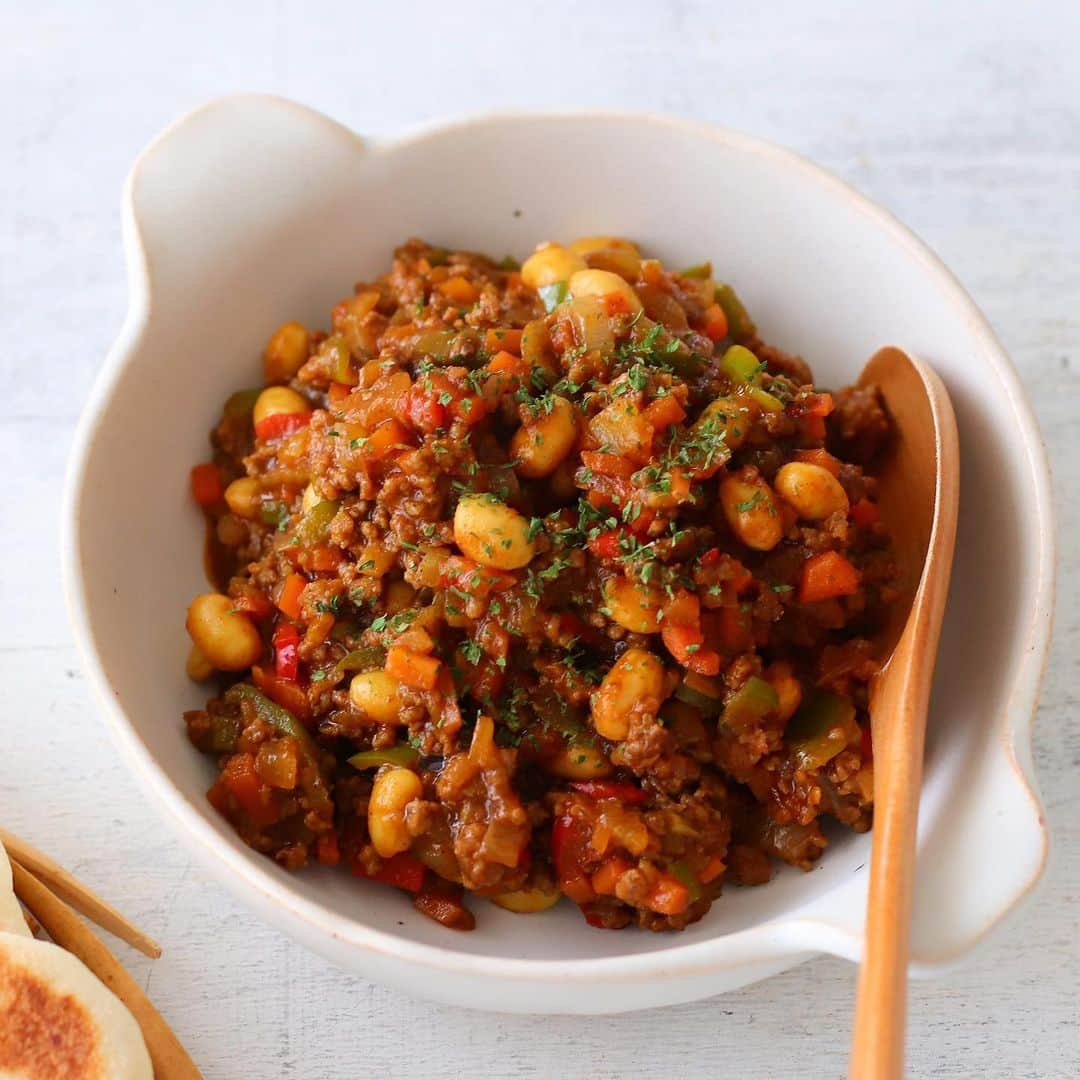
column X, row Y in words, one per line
column 206, row 485
column 736, row 634
column 819, row 457
column 253, row 796
column 714, row 322
column 607, row 464
column 338, row 392
column 663, row 411
column 813, row 428
column 412, row 669
column 819, row 405
column 459, row 290
column 289, row 695
column 712, row 870
column 679, row 483
column 827, row 576
column 508, row 362
column 669, row 896
column 508, row 340
column 865, row 513
column 325, row 558
column 683, row 608
column 606, row 878
column 326, row 849
column 289, row 597
column 389, row 436
column 687, row 645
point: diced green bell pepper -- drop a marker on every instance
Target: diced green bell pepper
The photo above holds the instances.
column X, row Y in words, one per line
column 314, row 526
column 695, row 690
column 281, row 720
column 749, row 705
column 823, row 726
column 681, row 870
column 700, row 272
column 391, row 755
column 740, row 326
column 239, row 406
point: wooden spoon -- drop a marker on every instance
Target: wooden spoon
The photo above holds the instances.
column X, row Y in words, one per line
column 918, row 486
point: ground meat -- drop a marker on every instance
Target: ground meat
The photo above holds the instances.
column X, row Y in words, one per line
column 858, row 426
column 538, row 559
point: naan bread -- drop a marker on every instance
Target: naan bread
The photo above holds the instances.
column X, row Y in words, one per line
column 11, row 916
column 58, row 1020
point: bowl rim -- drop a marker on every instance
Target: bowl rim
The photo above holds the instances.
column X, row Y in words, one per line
column 793, row 936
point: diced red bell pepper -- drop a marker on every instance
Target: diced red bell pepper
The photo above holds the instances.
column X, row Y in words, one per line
column 569, row 840
column 611, row 789
column 206, row 485
column 867, row 745
column 606, row 544
column 423, row 409
column 279, row 425
column 615, row 304
column 253, row 602
column 865, row 513
column 607, row 464
column 827, row 576
column 403, row 871
column 711, row 557
column 287, row 651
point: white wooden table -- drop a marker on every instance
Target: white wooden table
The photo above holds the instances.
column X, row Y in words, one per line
column 967, row 124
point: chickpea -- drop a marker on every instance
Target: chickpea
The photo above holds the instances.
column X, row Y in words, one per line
column 603, row 283
column 227, row 638
column 635, row 682
column 589, row 245
column 811, row 489
column 540, row 445
column 528, row 901
column 788, row 688
column 242, row 497
column 610, row 253
column 286, row 352
column 582, row 762
column 750, row 509
column 392, row 791
column 198, row 668
column 278, row 399
column 635, row 607
column 492, row 533
column 375, row 693
column 550, row 263
column 733, row 416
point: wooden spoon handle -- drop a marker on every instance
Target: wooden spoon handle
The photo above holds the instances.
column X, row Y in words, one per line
column 881, row 1004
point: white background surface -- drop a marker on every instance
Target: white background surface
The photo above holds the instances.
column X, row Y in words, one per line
column 966, row 123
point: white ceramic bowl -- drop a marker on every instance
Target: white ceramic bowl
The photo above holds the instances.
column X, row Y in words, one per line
column 254, row 210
